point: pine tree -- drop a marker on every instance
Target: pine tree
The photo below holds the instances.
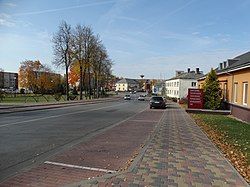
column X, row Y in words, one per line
column 212, row 91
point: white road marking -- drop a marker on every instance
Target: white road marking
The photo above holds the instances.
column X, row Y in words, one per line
column 141, row 120
column 56, row 116
column 79, row 167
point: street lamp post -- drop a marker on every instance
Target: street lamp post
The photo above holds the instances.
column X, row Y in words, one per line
column 14, row 86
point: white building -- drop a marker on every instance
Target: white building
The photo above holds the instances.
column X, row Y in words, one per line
column 126, row 84
column 177, row 86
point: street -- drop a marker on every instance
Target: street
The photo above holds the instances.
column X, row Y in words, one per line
column 29, row 138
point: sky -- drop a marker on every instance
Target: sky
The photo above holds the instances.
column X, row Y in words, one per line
column 150, row 37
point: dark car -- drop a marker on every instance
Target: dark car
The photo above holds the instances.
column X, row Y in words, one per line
column 157, row 102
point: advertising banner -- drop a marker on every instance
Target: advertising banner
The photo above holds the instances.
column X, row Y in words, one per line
column 195, row 98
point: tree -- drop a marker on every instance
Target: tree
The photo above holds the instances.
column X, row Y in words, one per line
column 83, row 53
column 63, row 50
column 79, row 40
column 74, row 74
column 28, row 74
column 212, row 91
column 37, row 77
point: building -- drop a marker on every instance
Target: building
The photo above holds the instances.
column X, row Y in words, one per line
column 234, row 77
column 159, row 88
column 126, row 84
column 8, row 81
column 177, row 87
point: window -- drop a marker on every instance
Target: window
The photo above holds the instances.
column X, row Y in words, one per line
column 235, row 91
column 177, row 84
column 245, row 90
column 193, row 84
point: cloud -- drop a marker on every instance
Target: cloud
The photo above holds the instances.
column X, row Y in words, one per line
column 171, row 13
column 9, row 4
column 115, row 12
column 5, row 20
column 64, row 8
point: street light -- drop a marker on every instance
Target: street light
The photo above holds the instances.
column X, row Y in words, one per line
column 14, row 86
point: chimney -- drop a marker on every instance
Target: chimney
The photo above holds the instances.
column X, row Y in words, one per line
column 188, row 70
column 197, row 70
column 221, row 67
column 224, row 64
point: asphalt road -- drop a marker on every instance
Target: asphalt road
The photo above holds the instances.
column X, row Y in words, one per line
column 29, row 138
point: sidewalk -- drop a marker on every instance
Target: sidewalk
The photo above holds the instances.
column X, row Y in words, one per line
column 178, row 155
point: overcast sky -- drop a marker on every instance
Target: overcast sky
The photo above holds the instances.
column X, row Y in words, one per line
column 150, row 37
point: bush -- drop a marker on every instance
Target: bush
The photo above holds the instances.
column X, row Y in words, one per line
column 183, row 101
column 2, row 95
column 174, row 99
column 22, row 91
column 212, row 91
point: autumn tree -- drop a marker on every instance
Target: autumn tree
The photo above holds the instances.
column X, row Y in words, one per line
column 37, row 77
column 28, row 74
column 63, row 51
column 74, row 74
column 212, row 91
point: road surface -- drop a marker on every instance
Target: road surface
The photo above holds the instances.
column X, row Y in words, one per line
column 29, row 138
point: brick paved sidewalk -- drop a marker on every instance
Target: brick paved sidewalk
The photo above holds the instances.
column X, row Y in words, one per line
column 178, row 155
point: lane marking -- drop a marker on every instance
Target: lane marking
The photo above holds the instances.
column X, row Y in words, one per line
column 141, row 120
column 79, row 167
column 55, row 116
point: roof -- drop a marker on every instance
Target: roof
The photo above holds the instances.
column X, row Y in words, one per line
column 186, row 75
column 240, row 61
column 127, row 81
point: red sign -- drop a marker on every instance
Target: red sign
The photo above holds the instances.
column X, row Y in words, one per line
column 195, row 98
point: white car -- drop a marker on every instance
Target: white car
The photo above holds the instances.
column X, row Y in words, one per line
column 127, row 97
column 141, row 98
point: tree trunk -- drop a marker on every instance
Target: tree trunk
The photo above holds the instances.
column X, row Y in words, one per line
column 67, row 83
column 89, row 86
column 81, row 79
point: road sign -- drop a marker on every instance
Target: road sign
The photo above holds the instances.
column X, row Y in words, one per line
column 195, row 98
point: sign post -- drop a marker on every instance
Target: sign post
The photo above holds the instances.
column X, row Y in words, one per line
column 195, row 98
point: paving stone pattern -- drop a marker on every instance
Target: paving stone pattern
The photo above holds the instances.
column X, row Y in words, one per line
column 178, row 155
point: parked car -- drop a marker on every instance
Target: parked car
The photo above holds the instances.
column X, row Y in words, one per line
column 141, row 98
column 157, row 102
column 127, row 97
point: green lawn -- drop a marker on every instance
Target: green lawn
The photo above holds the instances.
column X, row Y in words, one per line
column 29, row 98
column 235, row 132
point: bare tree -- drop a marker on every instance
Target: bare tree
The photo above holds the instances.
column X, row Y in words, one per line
column 63, row 51
column 79, row 53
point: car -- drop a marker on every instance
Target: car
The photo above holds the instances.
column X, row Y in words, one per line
column 127, row 97
column 157, row 102
column 141, row 98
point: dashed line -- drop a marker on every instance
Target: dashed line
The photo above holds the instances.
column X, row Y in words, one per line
column 79, row 167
